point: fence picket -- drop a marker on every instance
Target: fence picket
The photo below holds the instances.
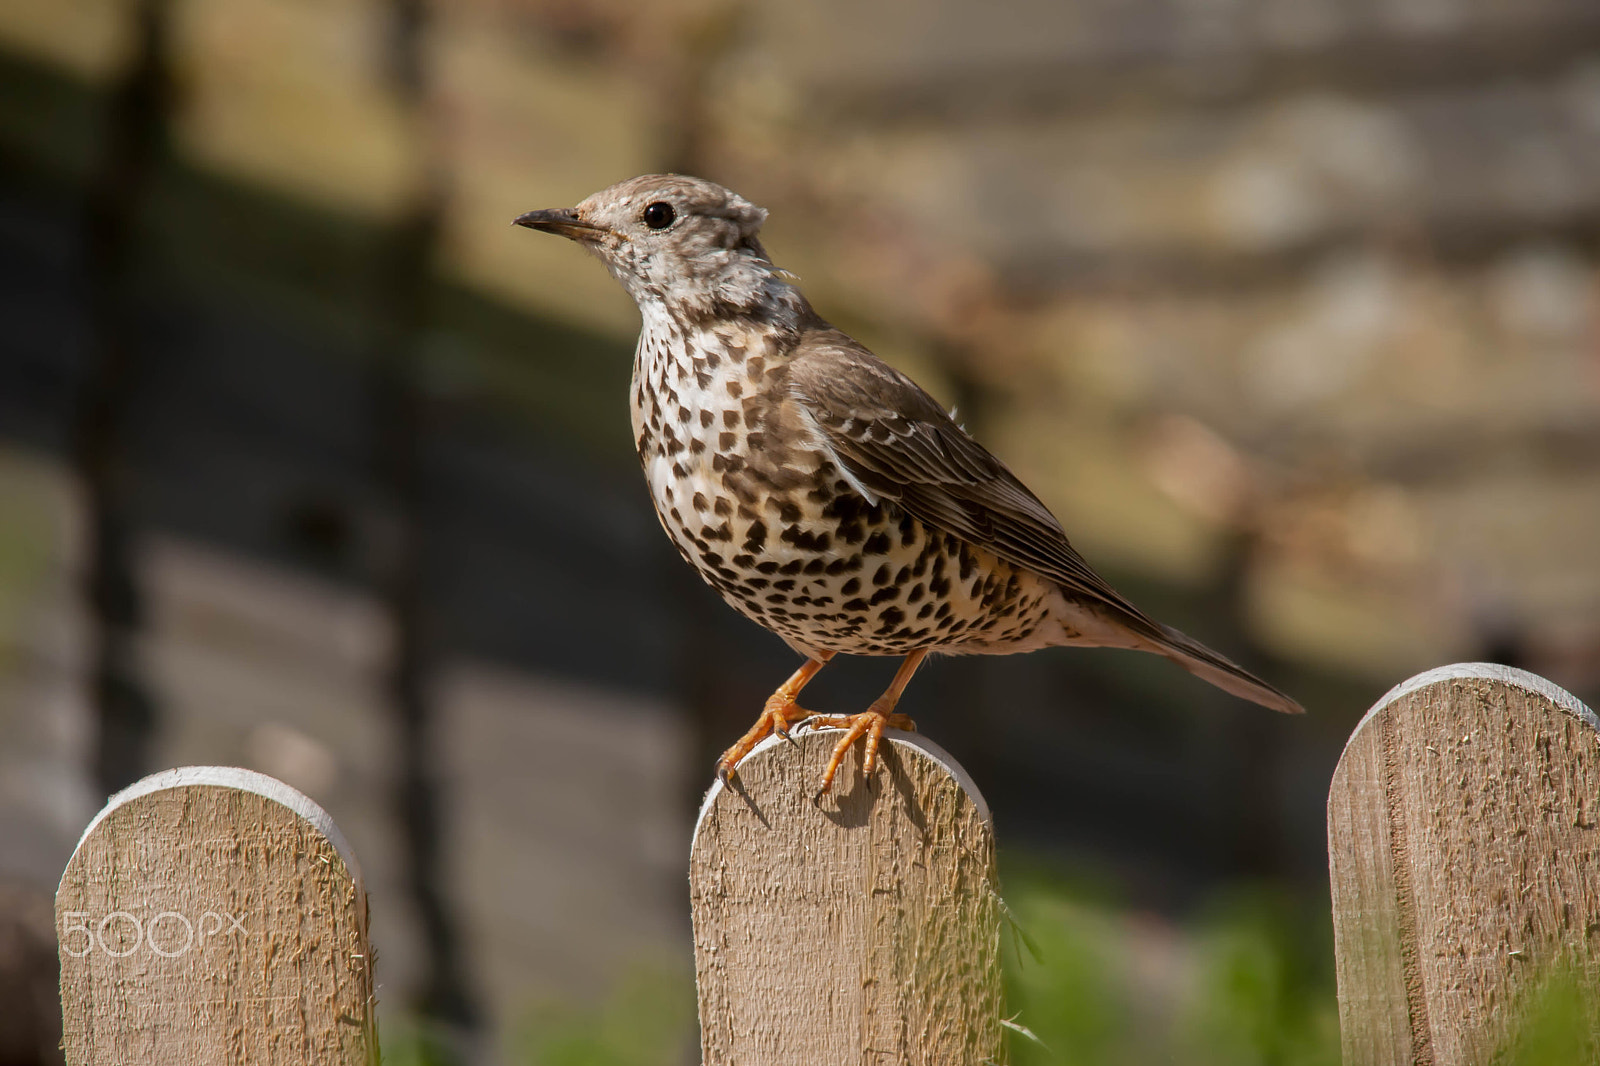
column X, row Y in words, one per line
column 1464, row 859
column 864, row 928
column 214, row 915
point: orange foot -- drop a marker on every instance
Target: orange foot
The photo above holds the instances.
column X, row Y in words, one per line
column 870, row 723
column 779, row 714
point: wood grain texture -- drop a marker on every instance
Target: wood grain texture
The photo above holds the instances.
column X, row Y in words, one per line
column 864, row 929
column 214, row 915
column 1464, row 859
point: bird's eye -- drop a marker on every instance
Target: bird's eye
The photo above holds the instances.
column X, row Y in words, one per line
column 659, row 215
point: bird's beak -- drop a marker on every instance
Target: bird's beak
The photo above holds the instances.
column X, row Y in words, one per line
column 563, row 221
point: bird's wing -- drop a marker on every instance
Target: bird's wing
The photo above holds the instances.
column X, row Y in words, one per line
column 898, row 444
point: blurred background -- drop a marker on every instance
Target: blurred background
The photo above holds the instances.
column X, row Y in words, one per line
column 310, row 462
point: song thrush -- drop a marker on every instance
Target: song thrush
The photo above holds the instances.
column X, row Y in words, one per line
column 822, row 492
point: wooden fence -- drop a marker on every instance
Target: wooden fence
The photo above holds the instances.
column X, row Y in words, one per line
column 1464, row 856
column 213, row 915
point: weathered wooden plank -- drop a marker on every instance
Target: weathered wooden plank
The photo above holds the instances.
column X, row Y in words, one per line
column 861, row 929
column 214, row 915
column 1464, row 859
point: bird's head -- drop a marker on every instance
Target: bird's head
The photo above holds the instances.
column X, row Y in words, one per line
column 684, row 245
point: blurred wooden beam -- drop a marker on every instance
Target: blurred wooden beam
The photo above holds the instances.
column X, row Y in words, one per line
column 1166, row 68
column 134, row 142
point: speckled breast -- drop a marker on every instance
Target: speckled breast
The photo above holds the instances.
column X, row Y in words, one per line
column 752, row 500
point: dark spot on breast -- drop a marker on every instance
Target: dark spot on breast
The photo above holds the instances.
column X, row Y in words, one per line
column 791, row 567
column 877, row 544
column 789, row 512
column 721, row 532
column 815, row 566
column 851, row 587
column 881, row 576
column 722, row 507
column 757, row 441
column 756, row 538
column 726, row 440
column 968, row 561
column 706, row 417
column 730, row 418
column 855, row 605
column 735, row 389
column 917, row 591
column 679, row 471
column 891, row 617
column 700, row 502
column 767, row 567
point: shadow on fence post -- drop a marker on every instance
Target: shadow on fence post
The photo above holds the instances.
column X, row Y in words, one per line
column 1464, row 858
column 862, row 928
column 211, row 915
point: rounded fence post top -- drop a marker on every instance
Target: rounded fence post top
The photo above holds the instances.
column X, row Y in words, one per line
column 915, row 741
column 1508, row 675
column 243, row 780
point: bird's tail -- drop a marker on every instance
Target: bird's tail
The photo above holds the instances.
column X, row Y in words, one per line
column 1229, row 676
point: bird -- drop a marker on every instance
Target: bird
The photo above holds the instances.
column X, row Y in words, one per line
column 823, row 493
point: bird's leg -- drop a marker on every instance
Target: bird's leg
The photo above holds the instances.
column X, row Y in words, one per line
column 776, row 717
column 871, row 722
